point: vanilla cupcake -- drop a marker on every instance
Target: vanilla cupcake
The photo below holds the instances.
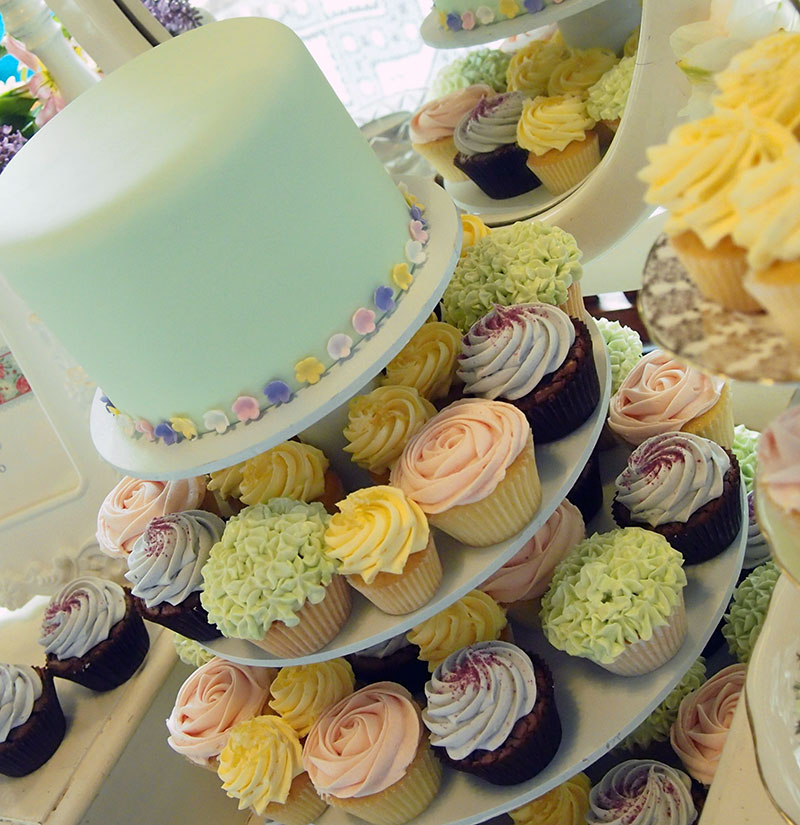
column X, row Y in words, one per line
column 582, row 69
column 566, row 804
column 531, row 66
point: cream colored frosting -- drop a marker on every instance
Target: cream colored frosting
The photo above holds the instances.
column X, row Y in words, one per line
column 364, row 743
column 227, row 480
column 660, row 395
column 704, row 718
column 439, row 118
column 779, row 460
column 128, row 508
column 566, row 804
column 528, row 573
column 217, row 696
column 553, row 123
column 530, row 68
column 461, row 454
column 290, row 470
column 582, row 69
column 20, row 687
column 473, row 230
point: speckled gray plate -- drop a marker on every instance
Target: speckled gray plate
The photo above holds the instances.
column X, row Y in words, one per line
column 706, row 335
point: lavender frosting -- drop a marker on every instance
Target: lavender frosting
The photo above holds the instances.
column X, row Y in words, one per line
column 20, row 687
column 490, row 125
column 167, row 560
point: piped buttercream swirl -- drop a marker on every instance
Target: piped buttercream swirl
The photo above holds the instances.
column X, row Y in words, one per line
column 290, row 470
column 530, row 67
column 566, row 804
column 607, row 98
column 550, row 123
column 779, row 460
column 20, row 687
column 438, row 118
column 490, row 125
column 582, row 69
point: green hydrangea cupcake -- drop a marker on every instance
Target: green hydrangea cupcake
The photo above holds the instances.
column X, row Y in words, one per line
column 748, row 609
column 607, row 98
column 487, row 66
column 519, row 264
column 744, row 448
column 190, row 652
column 268, row 579
column 624, row 349
column 617, row 599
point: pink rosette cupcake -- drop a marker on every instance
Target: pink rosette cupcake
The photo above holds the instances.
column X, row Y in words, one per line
column 210, row 703
column 128, row 508
column 661, row 395
column 778, row 474
column 699, row 733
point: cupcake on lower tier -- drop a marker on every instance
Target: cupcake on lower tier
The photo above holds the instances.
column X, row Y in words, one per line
column 778, row 477
column 566, row 804
column 395, row 660
column 190, row 652
column 748, row 610
column 491, row 712
column 93, row 635
column 32, row 724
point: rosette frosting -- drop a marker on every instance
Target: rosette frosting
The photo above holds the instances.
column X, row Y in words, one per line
column 439, row 118
column 607, row 98
column 473, row 229
column 190, row 652
column 671, row 476
column 704, row 718
column 167, row 560
column 476, row 696
column 748, row 610
column 660, row 395
column 530, row 67
column 566, row 804
column 475, row 617
column 582, row 69
column 642, row 792
column 550, row 123
column 290, row 470
column 301, row 694
column 461, row 454
column 20, row 687
column 528, row 573
column 215, row 698
column 624, row 349
column 490, row 125
column 511, row 349
column 744, row 447
column 487, row 66
column 81, row 615
column 128, row 508
column 364, row 743
column 779, row 460
column 226, row 481
column 270, row 560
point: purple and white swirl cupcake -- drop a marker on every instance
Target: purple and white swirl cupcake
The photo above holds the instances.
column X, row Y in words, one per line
column 92, row 634
column 537, row 358
column 488, row 153
column 491, row 712
column 685, row 487
column 642, row 792
column 165, row 569
column 31, row 720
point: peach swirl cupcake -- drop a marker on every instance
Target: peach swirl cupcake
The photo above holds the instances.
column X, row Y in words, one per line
column 369, row 756
column 661, row 395
column 472, row 470
column 778, row 474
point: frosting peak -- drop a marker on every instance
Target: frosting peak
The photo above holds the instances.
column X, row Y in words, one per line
column 20, row 687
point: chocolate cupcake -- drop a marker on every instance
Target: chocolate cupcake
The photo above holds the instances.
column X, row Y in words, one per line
column 684, row 487
column 587, row 491
column 93, row 635
column 491, row 712
column 537, row 358
column 32, row 723
column 165, row 569
column 394, row 660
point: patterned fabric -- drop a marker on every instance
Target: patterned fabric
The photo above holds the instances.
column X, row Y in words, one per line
column 13, row 383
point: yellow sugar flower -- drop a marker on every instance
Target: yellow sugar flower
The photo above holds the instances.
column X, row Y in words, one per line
column 184, row 426
column 309, row 370
column 508, row 8
column 402, row 276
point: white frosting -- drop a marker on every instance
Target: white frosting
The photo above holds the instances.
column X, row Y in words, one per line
column 81, row 615
column 757, row 550
column 508, row 352
column 386, row 648
column 671, row 476
column 476, row 696
column 167, row 560
column 20, row 687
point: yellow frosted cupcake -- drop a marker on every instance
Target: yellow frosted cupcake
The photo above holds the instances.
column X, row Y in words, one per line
column 566, row 804
column 473, row 230
column 530, row 68
column 385, row 549
column 558, row 134
column 476, row 617
column 582, row 69
column 222, row 491
column 262, row 767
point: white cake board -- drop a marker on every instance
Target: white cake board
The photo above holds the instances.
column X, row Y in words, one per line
column 156, row 461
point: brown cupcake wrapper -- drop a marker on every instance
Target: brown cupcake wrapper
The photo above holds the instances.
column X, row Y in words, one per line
column 189, row 618
column 500, row 174
column 302, row 806
column 403, row 666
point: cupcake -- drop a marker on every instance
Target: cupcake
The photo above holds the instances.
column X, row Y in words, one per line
column 486, row 140
column 482, row 66
column 387, row 775
column 642, row 791
column 491, row 712
column 778, row 478
column 587, row 491
column 523, row 263
column 301, row 694
column 165, row 571
column 385, row 549
column 748, row 610
column 223, row 488
column 537, row 358
column 130, row 506
column 744, row 446
column 93, row 635
column 684, row 487
column 566, row 804
column 269, row 579
column 624, row 349
column 560, row 138
column 394, row 660
column 576, row 74
column 472, row 470
column 215, row 698
column 428, row 361
column 531, row 67
column 757, row 550
column 261, row 766
column 704, row 718
column 638, row 579
column 431, row 128
column 631, row 44
column 606, row 99
column 190, row 652
column 661, row 395
column 32, row 724
column 472, row 230
column 475, row 617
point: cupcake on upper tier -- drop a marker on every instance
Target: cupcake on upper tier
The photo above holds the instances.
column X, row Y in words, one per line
column 531, row 67
column 579, row 71
column 607, row 98
column 778, row 478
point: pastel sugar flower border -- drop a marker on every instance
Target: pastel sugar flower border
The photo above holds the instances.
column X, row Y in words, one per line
column 278, row 390
column 485, row 15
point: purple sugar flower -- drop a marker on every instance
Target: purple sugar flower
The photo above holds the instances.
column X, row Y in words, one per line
column 384, row 298
column 533, row 5
column 453, row 22
column 277, row 392
column 176, row 16
column 165, row 432
column 11, row 141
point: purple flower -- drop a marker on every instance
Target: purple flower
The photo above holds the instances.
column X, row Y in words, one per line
column 165, row 432
column 384, row 298
column 11, row 141
column 176, row 16
column 277, row 392
column 533, row 5
column 453, row 22
column 416, row 213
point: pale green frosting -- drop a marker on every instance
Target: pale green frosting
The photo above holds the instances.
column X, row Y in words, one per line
column 744, row 448
column 624, row 349
column 748, row 609
column 656, row 727
column 190, row 652
column 482, row 66
column 607, row 97
column 612, row 590
column 269, row 562
column 518, row 264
